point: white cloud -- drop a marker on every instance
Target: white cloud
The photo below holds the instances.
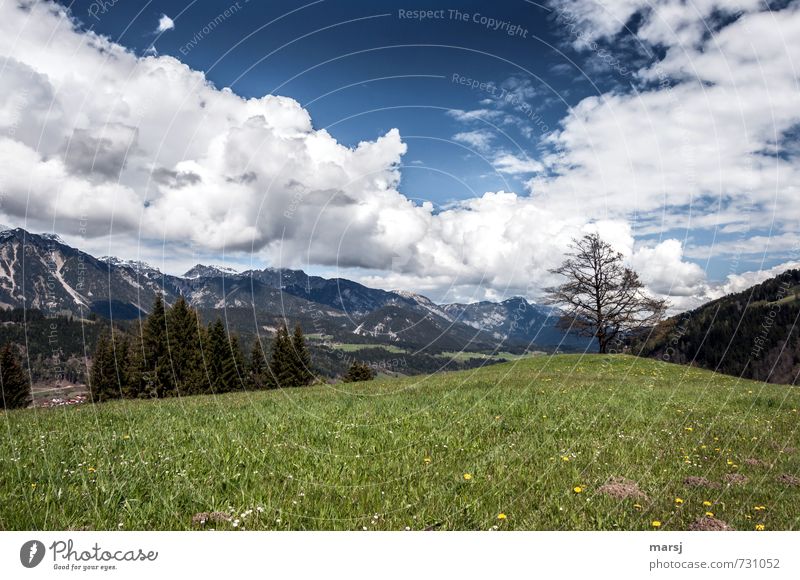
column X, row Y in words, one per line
column 516, row 165
column 165, row 23
column 695, row 146
column 94, row 136
column 738, row 282
column 662, row 268
column 479, row 140
column 148, row 146
column 473, row 115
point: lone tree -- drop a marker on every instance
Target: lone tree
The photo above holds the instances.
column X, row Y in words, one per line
column 601, row 298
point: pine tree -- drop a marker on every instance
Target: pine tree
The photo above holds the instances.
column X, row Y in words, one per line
column 14, row 383
column 281, row 368
column 103, row 384
column 135, row 384
column 216, row 353
column 185, row 356
column 301, row 359
column 359, row 371
column 122, row 353
column 156, row 354
column 257, row 372
column 232, row 367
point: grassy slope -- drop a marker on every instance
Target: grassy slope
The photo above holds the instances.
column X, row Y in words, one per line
column 354, row 457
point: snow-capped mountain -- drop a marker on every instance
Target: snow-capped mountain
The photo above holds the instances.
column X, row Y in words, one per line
column 40, row 271
column 203, row 271
column 515, row 320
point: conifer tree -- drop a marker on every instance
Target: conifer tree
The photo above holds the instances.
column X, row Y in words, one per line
column 103, row 385
column 135, row 385
column 359, row 371
column 156, row 352
column 232, row 367
column 280, row 364
column 14, row 383
column 257, row 372
column 122, row 353
column 301, row 359
column 217, row 352
column 185, row 356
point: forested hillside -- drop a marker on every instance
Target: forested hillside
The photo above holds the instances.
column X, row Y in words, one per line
column 754, row 333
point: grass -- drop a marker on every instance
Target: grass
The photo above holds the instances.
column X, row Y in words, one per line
column 318, row 336
column 465, row 355
column 353, row 347
column 451, row 451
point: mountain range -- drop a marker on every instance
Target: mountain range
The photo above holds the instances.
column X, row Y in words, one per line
column 40, row 271
column 754, row 333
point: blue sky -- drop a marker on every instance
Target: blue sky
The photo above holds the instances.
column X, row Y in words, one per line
column 452, row 152
column 385, row 71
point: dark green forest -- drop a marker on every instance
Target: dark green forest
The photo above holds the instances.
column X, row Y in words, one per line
column 173, row 354
column 753, row 334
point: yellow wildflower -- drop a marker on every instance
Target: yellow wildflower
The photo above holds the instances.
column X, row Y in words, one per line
column 710, row 514
column 467, row 476
column 759, row 527
column 707, row 503
column 678, row 501
column 501, row 516
column 656, row 524
column 577, row 489
column 427, row 460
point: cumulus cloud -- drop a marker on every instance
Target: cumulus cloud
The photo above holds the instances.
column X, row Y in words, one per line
column 165, row 23
column 738, row 282
column 665, row 272
column 88, row 125
column 699, row 138
column 96, row 137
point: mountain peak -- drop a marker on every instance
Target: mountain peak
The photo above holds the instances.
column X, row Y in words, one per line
column 136, row 265
column 21, row 234
column 203, row 271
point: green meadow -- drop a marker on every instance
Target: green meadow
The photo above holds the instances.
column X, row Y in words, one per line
column 563, row 442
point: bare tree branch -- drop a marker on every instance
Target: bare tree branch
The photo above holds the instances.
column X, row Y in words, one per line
column 601, row 298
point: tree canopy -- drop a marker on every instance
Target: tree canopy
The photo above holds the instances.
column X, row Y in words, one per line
column 14, row 384
column 175, row 355
column 601, row 297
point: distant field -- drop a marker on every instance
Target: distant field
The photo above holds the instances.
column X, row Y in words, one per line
column 535, row 440
column 465, row 355
column 355, row 346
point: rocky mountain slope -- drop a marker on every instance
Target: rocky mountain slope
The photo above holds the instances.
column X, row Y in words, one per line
column 40, row 271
